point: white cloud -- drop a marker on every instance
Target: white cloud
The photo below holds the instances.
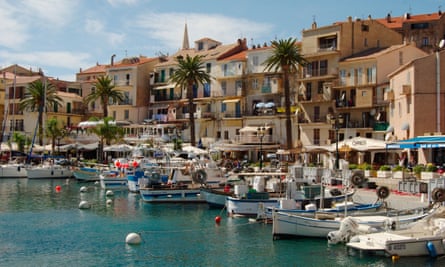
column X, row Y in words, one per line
column 12, row 32
column 168, row 28
column 93, row 26
column 51, row 13
column 59, row 59
column 124, row 2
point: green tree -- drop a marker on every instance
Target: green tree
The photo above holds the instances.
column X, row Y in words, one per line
column 190, row 73
column 287, row 58
column 107, row 132
column 39, row 97
column 21, row 141
column 53, row 132
column 105, row 91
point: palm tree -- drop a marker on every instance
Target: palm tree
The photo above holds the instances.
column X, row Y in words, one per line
column 54, row 132
column 40, row 96
column 190, row 73
column 106, row 132
column 286, row 56
column 105, row 91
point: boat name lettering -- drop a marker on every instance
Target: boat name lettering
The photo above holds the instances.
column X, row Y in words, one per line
column 359, row 142
column 398, row 247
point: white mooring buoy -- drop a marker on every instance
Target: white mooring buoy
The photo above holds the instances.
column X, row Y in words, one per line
column 84, row 205
column 109, row 202
column 133, row 239
column 83, row 189
column 109, row 193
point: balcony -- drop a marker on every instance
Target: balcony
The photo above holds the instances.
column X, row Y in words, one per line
column 253, row 139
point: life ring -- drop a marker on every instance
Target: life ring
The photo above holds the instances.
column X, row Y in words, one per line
column 382, row 192
column 199, row 176
column 357, row 178
column 438, row 195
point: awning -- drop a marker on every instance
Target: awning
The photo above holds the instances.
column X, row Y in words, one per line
column 168, row 86
column 231, row 101
column 434, row 141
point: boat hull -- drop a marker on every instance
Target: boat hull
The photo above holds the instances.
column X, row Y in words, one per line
column 293, row 225
column 86, row 174
column 13, row 171
column 215, row 198
column 49, row 173
column 171, row 195
column 113, row 181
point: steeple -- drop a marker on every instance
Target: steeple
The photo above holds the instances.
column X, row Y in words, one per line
column 185, row 41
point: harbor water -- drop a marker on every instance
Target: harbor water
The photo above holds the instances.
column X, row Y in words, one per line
column 42, row 226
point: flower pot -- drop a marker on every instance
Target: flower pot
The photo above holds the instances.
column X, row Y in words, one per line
column 384, row 174
column 429, row 175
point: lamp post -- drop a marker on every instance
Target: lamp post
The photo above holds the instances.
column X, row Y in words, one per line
column 437, row 54
column 336, row 121
column 261, row 131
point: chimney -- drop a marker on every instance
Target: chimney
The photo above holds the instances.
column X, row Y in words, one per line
column 314, row 25
column 112, row 59
column 388, row 18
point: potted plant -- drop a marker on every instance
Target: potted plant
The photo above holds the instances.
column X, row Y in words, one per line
column 418, row 170
column 397, row 172
column 384, row 171
column 430, row 172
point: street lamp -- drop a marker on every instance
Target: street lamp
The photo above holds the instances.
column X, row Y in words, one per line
column 336, row 121
column 261, row 131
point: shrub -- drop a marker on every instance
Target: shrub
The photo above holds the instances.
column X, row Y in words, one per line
column 430, row 167
column 418, row 169
column 353, row 166
column 385, row 168
column 397, row 168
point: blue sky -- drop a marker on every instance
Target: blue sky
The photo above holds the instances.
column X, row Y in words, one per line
column 62, row 36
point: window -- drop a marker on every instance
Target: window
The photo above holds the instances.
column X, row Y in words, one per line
column 316, row 114
column 238, row 86
column 323, row 67
column 127, row 77
column 316, row 133
column 359, row 76
column 425, row 41
column 225, row 68
column 126, row 114
column 419, row 26
column 223, row 107
column 200, row 46
column 254, row 83
column 342, row 74
column 320, row 87
column 331, row 135
column 226, row 135
column 208, row 67
column 224, row 87
column 255, row 60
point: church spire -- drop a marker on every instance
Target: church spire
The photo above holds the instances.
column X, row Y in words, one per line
column 185, row 41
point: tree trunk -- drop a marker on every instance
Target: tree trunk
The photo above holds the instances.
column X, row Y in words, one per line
column 287, row 105
column 191, row 114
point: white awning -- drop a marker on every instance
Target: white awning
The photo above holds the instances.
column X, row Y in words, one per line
column 164, row 87
column 231, row 101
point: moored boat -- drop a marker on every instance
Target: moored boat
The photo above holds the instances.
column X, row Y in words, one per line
column 49, row 171
column 13, row 170
column 112, row 179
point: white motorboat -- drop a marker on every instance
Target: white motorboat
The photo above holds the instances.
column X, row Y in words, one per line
column 113, row 180
column 425, row 237
column 319, row 225
column 13, row 170
column 49, row 171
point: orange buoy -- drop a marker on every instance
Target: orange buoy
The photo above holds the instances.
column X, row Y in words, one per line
column 218, row 219
column 58, row 188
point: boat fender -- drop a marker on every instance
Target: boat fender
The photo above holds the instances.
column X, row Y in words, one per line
column 382, row 192
column 18, row 168
column 52, row 172
column 438, row 195
column 357, row 178
column 431, row 249
column 200, row 176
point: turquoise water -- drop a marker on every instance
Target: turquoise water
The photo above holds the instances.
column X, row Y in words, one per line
column 42, row 227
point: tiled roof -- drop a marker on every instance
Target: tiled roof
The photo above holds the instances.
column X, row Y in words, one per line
column 397, row 22
column 238, row 56
column 70, row 95
column 131, row 62
column 209, row 54
column 95, row 69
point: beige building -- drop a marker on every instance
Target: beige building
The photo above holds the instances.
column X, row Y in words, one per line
column 319, row 91
column 416, row 97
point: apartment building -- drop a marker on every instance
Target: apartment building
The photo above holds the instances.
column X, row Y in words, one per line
column 321, row 92
column 423, row 30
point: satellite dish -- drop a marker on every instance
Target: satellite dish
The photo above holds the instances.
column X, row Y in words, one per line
column 372, row 112
column 442, row 43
